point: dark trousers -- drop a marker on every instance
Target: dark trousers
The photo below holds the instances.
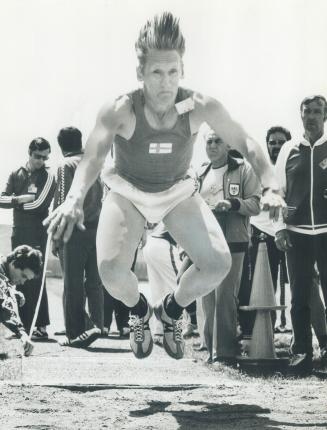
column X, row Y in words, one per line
column 78, row 261
column 36, row 237
column 306, row 250
column 246, row 318
column 277, row 260
column 113, row 305
column 275, row 256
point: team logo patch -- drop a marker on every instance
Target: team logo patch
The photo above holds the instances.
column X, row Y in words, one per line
column 323, row 164
column 234, row 189
column 160, row 148
column 32, row 189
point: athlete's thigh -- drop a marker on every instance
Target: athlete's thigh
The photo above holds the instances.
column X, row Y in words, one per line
column 195, row 229
column 119, row 232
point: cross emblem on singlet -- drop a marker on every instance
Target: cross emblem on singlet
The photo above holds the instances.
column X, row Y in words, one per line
column 160, row 148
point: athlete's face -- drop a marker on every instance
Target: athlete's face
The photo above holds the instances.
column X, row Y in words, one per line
column 313, row 118
column 160, row 75
column 217, row 150
column 275, row 142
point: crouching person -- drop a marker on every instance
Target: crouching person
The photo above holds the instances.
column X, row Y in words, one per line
column 22, row 264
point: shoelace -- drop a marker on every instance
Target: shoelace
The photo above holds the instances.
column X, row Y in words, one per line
column 178, row 327
column 136, row 325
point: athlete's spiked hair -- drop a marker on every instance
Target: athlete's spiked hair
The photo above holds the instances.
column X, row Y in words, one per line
column 161, row 32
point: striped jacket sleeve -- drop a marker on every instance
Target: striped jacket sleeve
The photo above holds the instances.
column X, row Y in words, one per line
column 65, row 175
column 44, row 197
column 6, row 198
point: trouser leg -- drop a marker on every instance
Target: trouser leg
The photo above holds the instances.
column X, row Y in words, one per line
column 74, row 257
column 225, row 324
column 300, row 262
column 93, row 285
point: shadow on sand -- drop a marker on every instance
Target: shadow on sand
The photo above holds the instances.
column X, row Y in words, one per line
column 209, row 416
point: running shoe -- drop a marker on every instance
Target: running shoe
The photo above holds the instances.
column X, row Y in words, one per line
column 40, row 333
column 172, row 339
column 83, row 340
column 140, row 335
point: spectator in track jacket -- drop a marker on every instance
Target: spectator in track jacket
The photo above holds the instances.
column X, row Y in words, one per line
column 78, row 256
column 302, row 172
column 29, row 192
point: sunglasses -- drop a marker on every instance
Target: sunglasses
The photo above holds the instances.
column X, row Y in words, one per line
column 217, row 140
column 276, row 142
column 40, row 157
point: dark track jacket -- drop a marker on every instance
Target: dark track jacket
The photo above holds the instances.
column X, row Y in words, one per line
column 22, row 181
column 302, row 173
column 93, row 199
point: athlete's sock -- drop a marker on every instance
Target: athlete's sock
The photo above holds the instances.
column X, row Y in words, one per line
column 191, row 310
column 172, row 308
column 141, row 307
column 193, row 318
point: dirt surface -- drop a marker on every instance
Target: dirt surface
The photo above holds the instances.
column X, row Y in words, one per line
column 106, row 387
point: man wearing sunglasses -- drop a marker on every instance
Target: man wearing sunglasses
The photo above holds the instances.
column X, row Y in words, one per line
column 29, row 192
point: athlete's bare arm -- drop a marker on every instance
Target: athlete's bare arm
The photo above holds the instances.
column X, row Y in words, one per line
column 111, row 120
column 215, row 115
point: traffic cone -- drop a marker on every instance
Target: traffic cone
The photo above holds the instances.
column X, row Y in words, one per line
column 262, row 294
column 262, row 349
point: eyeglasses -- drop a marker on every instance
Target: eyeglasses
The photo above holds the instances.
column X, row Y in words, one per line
column 40, row 157
column 217, row 140
column 276, row 142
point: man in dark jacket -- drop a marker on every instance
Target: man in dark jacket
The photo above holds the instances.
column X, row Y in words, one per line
column 78, row 256
column 29, row 191
column 301, row 168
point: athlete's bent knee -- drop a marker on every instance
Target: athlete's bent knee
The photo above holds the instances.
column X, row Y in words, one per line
column 113, row 278
column 218, row 266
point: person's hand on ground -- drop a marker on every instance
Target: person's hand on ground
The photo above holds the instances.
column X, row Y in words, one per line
column 27, row 345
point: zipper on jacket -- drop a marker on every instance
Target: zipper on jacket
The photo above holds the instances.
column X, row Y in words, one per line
column 311, row 187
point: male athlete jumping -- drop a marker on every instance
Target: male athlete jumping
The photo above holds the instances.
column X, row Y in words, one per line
column 153, row 130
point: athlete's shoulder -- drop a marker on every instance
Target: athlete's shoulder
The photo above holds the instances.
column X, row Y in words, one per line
column 206, row 106
column 205, row 101
column 115, row 112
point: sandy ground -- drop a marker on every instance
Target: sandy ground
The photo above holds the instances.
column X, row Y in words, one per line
column 106, row 387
